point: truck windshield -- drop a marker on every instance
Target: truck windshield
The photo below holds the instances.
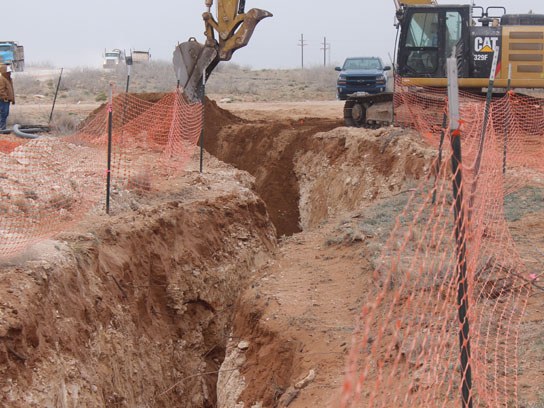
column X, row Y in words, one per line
column 5, row 48
column 362, row 63
column 112, row 54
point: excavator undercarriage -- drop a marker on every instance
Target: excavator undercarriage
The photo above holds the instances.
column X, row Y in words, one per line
column 369, row 110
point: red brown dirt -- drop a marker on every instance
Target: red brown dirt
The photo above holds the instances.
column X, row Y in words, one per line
column 133, row 310
column 141, row 309
column 268, row 151
column 300, row 311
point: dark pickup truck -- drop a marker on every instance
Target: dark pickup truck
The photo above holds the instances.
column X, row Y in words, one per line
column 361, row 74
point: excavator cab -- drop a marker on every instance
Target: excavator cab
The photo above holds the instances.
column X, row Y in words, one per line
column 429, row 36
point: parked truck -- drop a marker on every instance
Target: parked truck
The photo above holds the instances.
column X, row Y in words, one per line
column 140, row 56
column 113, row 58
column 12, row 54
column 361, row 74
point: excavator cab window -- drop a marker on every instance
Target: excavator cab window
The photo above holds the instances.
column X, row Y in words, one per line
column 422, row 44
column 429, row 35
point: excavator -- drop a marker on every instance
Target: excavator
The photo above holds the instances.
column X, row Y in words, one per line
column 430, row 33
column 194, row 62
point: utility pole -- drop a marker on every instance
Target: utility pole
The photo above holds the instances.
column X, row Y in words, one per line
column 325, row 49
column 302, row 44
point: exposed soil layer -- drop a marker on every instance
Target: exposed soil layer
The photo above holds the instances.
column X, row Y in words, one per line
column 293, row 326
column 133, row 310
column 268, row 151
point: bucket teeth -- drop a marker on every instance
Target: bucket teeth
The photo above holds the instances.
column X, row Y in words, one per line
column 240, row 38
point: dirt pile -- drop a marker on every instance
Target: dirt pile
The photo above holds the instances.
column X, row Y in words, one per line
column 345, row 168
column 133, row 310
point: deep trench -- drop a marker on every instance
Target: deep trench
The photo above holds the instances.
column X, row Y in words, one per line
column 254, row 147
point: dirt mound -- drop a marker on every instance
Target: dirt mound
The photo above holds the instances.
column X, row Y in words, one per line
column 347, row 167
column 152, row 97
column 134, row 310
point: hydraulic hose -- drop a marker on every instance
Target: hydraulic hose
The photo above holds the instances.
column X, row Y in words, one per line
column 27, row 134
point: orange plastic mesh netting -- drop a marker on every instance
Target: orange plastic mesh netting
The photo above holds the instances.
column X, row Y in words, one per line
column 48, row 183
column 407, row 346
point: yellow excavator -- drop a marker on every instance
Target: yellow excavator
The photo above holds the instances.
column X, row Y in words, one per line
column 430, row 33
column 194, row 62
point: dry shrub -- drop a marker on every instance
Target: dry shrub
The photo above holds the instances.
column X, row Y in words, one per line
column 317, row 83
column 228, row 79
column 140, row 183
column 64, row 123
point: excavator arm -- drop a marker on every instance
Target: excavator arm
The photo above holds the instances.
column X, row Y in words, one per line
column 415, row 2
column 232, row 30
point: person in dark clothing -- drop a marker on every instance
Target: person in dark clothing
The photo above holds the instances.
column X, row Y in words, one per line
column 7, row 95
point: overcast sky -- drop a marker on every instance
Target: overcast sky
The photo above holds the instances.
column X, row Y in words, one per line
column 70, row 33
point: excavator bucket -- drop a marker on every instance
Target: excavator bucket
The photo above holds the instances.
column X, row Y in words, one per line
column 192, row 61
column 240, row 32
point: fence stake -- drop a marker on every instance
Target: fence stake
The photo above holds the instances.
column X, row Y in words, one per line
column 440, row 150
column 506, row 127
column 460, row 235
column 129, row 69
column 55, row 98
column 125, row 102
column 202, row 130
column 110, row 128
column 487, row 110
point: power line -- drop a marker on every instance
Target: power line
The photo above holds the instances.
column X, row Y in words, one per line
column 326, row 47
column 302, row 44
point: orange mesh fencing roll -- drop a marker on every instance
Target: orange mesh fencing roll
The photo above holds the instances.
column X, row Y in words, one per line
column 406, row 348
column 48, row 183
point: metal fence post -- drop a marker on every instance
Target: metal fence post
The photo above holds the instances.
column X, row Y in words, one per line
column 460, row 235
column 55, row 98
column 202, row 130
column 110, row 131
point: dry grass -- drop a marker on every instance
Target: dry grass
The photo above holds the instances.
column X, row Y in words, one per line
column 64, row 123
column 228, row 81
column 244, row 84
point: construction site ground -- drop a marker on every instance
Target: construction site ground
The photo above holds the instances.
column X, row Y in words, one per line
column 237, row 287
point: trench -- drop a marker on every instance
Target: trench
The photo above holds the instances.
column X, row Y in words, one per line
column 172, row 304
column 306, row 172
column 268, row 151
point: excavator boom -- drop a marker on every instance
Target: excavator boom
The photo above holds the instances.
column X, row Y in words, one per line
column 417, row 2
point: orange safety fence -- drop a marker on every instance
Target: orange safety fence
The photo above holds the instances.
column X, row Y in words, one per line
column 406, row 349
column 48, row 183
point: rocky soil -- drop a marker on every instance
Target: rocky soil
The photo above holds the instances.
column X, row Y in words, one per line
column 234, row 288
